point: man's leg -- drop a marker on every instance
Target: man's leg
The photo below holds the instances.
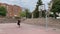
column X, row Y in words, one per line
column 19, row 26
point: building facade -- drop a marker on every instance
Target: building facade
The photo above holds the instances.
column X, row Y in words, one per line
column 12, row 10
column 50, row 7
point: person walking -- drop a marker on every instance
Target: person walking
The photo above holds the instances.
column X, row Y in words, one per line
column 18, row 23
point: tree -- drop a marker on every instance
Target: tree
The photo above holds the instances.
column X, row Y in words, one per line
column 23, row 14
column 3, row 11
column 36, row 11
column 28, row 14
column 43, row 13
column 56, row 7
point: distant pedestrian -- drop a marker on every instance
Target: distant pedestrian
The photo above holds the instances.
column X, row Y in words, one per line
column 18, row 23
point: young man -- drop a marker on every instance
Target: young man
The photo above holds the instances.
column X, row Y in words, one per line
column 18, row 23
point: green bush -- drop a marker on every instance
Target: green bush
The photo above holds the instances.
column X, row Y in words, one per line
column 3, row 11
column 52, row 15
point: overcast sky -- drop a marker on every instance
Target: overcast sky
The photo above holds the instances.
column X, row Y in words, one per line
column 30, row 4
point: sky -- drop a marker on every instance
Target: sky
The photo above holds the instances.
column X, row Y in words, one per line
column 30, row 4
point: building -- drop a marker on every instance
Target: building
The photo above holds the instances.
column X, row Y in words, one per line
column 17, row 9
column 50, row 4
column 50, row 7
column 12, row 10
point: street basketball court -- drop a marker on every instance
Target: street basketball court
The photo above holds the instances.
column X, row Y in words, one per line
column 12, row 28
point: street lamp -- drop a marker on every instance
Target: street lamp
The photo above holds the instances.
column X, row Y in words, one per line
column 32, row 15
column 46, row 17
column 41, row 8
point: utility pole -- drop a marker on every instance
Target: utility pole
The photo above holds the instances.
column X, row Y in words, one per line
column 46, row 17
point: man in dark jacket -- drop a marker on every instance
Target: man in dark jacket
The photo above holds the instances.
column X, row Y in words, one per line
column 18, row 23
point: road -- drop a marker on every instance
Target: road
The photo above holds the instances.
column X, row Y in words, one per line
column 12, row 28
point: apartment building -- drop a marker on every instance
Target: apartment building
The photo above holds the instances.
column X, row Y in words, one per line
column 12, row 10
column 50, row 7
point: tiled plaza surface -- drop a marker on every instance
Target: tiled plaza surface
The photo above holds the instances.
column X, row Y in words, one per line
column 12, row 28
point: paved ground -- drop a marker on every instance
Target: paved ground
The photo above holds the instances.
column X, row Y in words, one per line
column 11, row 28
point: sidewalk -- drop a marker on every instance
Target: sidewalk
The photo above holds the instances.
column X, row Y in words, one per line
column 11, row 28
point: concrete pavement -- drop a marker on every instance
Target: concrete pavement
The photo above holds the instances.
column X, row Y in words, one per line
column 12, row 28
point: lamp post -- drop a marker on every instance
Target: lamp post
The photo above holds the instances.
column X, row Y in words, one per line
column 32, row 15
column 46, row 21
column 39, row 11
column 46, row 17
